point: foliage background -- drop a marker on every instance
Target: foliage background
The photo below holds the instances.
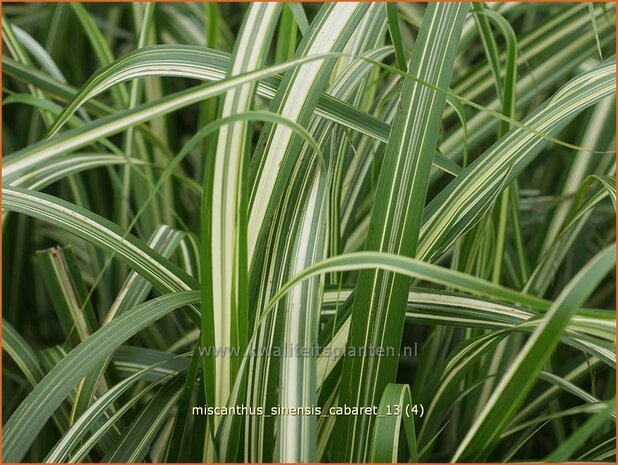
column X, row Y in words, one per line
column 524, row 211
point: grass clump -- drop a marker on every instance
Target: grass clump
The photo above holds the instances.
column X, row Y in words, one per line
column 343, row 232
